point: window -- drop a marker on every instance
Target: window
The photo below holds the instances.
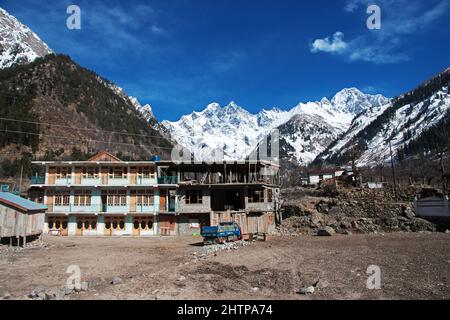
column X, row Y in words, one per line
column 194, row 197
column 116, row 197
column 145, row 197
column 269, row 195
column 62, row 198
column 82, row 198
column 90, row 173
column 147, row 172
column 63, row 172
column 255, row 196
column 118, row 173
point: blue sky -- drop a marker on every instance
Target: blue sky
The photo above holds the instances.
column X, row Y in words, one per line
column 180, row 55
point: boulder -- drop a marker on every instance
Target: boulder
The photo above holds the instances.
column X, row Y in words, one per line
column 326, row 232
column 307, row 290
column 116, row 280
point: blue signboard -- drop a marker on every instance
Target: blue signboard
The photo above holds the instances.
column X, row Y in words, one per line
column 5, row 188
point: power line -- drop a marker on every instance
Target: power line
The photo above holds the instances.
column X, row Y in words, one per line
column 78, row 139
column 83, row 129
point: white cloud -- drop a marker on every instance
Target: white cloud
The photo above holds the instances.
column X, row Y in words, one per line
column 334, row 45
column 158, row 31
column 401, row 20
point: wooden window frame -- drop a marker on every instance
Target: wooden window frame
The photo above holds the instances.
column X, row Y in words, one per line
column 116, row 198
column 145, row 198
column 61, row 198
column 118, row 172
column 255, row 196
column 194, row 197
column 63, row 172
column 82, row 198
column 147, row 172
column 90, row 172
column 269, row 195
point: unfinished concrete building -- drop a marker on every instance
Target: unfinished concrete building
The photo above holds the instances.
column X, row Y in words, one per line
column 105, row 196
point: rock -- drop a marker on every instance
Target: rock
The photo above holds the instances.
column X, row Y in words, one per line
column 34, row 294
column 336, row 211
column 54, row 295
column 326, row 232
column 345, row 225
column 255, row 289
column 447, row 231
column 84, row 286
column 182, row 278
column 347, row 233
column 308, row 290
column 116, row 280
column 407, row 212
column 67, row 290
column 4, row 295
column 42, row 296
column 320, row 284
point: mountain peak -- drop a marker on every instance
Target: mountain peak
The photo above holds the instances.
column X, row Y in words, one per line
column 18, row 43
column 354, row 101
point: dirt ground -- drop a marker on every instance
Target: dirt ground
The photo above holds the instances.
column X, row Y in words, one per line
column 413, row 266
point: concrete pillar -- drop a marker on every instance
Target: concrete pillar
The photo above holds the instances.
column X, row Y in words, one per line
column 72, row 225
column 100, row 225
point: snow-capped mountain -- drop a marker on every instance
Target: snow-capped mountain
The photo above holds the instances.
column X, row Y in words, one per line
column 403, row 121
column 305, row 130
column 18, row 44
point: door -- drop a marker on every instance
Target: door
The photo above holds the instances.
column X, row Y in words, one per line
column 78, row 172
column 104, row 202
column 104, row 173
column 133, row 175
column 58, row 226
column 133, row 200
column 142, row 226
column 79, row 228
column 162, row 200
column 172, row 196
column 167, row 225
column 108, row 227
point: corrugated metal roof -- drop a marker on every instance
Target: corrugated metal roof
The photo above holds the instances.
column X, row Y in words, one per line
column 20, row 203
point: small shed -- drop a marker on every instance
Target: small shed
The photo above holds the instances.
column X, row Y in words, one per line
column 20, row 217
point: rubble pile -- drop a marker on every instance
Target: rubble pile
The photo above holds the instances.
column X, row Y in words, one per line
column 206, row 251
column 6, row 250
column 352, row 210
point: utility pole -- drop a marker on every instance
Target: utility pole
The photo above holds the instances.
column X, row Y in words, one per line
column 393, row 169
column 20, row 183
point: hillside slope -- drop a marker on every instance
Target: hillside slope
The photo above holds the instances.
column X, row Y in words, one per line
column 53, row 105
column 416, row 122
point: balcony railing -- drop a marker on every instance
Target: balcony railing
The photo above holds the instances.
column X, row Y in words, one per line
column 168, row 180
column 37, row 180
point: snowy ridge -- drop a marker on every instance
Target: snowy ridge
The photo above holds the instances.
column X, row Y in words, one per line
column 407, row 124
column 18, row 44
column 236, row 132
column 409, row 118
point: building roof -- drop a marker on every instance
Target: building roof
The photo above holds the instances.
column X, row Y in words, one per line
column 21, row 204
column 104, row 156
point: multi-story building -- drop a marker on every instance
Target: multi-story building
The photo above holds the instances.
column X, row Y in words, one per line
column 106, row 196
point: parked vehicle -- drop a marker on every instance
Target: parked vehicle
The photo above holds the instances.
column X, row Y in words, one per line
column 225, row 231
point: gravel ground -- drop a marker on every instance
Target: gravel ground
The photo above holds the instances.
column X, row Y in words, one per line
column 413, row 266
